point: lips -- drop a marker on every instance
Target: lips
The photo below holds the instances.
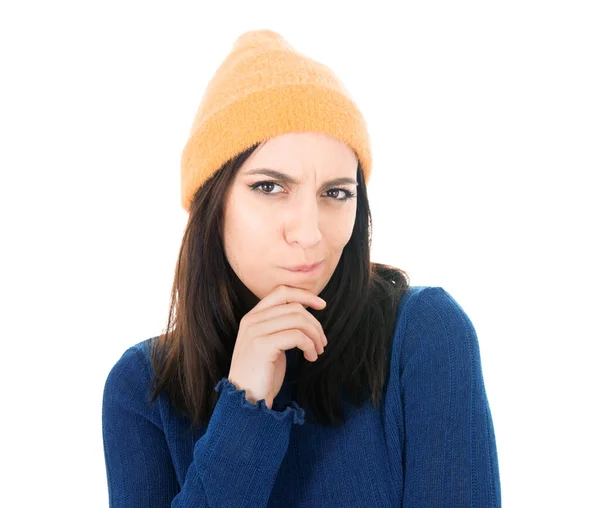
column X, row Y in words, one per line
column 305, row 268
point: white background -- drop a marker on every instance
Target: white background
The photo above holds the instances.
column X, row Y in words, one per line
column 485, row 127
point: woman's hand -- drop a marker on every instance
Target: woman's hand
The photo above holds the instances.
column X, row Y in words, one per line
column 277, row 323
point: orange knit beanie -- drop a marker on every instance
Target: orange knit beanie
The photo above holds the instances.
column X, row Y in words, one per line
column 263, row 89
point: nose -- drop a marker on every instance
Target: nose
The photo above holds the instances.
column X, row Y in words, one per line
column 302, row 226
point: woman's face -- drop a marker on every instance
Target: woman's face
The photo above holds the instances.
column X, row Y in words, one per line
column 282, row 224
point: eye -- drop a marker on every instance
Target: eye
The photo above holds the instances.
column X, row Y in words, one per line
column 347, row 194
column 258, row 186
column 264, row 184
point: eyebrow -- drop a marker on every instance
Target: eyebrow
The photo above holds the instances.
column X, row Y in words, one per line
column 278, row 175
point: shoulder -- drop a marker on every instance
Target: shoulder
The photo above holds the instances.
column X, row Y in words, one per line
column 133, row 361
column 130, row 375
column 430, row 303
column 429, row 320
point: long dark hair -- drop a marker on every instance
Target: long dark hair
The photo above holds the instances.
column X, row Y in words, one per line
column 208, row 301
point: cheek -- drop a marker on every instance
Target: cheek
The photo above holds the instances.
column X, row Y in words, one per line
column 247, row 233
column 340, row 230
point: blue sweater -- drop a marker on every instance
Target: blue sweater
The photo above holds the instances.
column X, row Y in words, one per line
column 430, row 444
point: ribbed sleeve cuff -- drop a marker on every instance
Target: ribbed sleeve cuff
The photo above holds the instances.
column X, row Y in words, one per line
column 293, row 411
column 237, row 459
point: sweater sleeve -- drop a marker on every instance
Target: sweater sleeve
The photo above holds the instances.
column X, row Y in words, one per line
column 235, row 462
column 449, row 453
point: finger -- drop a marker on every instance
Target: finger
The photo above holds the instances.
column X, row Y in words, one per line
column 289, row 321
column 283, row 294
column 289, row 339
column 279, row 310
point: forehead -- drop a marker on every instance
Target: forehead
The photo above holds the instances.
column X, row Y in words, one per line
column 305, row 150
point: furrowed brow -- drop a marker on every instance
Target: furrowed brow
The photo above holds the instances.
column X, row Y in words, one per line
column 282, row 177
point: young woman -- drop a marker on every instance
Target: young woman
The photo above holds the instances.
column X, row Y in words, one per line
column 293, row 370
